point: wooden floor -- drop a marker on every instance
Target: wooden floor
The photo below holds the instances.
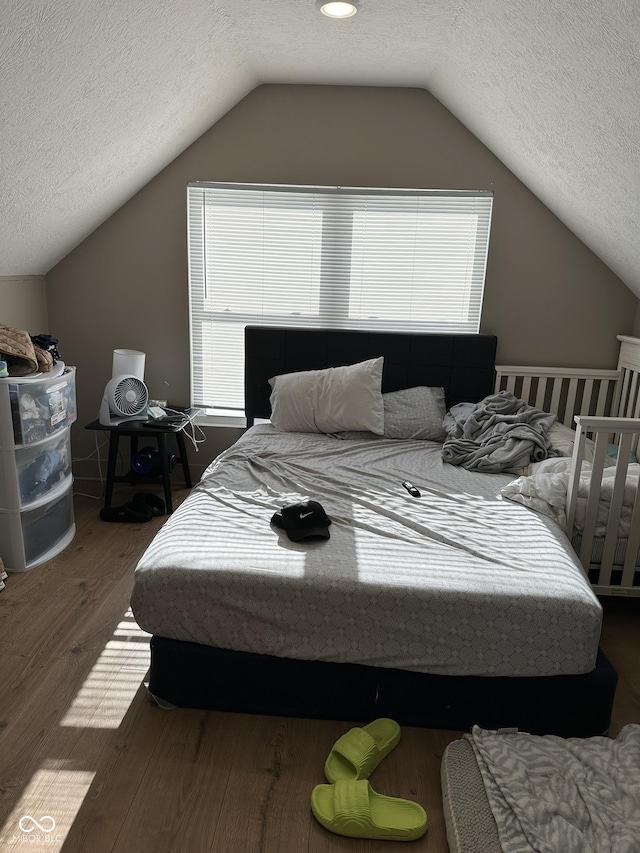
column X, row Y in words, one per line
column 82, row 747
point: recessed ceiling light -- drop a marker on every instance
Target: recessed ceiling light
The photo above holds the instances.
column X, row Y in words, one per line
column 338, row 9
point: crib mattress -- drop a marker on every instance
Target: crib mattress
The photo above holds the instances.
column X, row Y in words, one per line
column 597, row 548
column 456, row 582
column 471, row 827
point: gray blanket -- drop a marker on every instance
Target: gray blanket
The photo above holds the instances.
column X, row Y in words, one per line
column 500, row 433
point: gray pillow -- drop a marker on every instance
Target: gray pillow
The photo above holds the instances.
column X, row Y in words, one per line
column 413, row 413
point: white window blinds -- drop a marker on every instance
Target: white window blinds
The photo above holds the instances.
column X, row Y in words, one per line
column 398, row 260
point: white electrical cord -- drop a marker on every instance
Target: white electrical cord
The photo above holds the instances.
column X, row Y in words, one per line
column 95, row 453
column 195, row 440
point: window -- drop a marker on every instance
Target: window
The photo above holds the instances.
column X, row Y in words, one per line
column 399, row 260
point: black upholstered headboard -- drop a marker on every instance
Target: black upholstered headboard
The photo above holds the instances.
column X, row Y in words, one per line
column 464, row 365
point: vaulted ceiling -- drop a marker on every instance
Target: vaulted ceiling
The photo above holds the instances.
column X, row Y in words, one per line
column 97, row 97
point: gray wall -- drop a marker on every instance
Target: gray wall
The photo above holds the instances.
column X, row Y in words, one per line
column 548, row 298
column 23, row 303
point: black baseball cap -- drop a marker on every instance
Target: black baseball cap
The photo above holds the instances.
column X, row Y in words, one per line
column 303, row 520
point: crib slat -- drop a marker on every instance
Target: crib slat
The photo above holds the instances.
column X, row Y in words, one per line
column 615, row 509
column 636, row 410
column 601, row 405
column 511, row 384
column 574, row 476
column 571, row 402
column 636, row 414
column 555, row 401
column 541, row 393
column 585, row 408
column 622, row 402
column 632, row 396
column 526, row 389
column 595, row 487
column 628, row 408
column 633, row 545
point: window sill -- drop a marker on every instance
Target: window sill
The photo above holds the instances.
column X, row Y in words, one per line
column 221, row 418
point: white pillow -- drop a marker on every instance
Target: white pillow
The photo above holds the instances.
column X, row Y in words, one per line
column 562, row 439
column 331, row 400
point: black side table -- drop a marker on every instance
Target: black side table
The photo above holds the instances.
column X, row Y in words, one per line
column 135, row 430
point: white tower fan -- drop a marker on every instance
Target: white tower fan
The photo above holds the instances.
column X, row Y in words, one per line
column 125, row 395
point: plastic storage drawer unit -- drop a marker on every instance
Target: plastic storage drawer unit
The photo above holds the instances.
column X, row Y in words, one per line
column 36, row 498
column 35, row 535
column 30, row 472
column 41, row 406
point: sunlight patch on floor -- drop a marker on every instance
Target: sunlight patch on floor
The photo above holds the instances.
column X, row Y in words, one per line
column 46, row 810
column 109, row 689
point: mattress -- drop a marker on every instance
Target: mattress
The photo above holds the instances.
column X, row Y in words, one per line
column 456, row 582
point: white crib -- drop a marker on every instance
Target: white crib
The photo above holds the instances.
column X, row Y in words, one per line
column 604, row 406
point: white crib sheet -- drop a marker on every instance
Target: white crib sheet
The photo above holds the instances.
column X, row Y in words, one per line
column 457, row 582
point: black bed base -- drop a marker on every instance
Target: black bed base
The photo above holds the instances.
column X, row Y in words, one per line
column 189, row 675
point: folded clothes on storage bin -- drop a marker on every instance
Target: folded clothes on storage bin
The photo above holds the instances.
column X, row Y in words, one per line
column 17, row 349
column 46, row 349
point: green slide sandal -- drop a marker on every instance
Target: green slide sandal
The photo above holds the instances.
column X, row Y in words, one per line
column 354, row 809
column 357, row 753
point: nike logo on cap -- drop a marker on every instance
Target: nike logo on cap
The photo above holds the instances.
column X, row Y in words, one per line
column 305, row 514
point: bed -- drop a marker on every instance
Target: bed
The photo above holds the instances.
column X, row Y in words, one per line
column 457, row 609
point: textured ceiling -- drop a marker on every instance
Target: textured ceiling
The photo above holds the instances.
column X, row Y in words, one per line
column 97, row 97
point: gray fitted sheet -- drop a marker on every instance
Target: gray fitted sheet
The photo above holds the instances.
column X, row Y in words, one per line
column 457, row 582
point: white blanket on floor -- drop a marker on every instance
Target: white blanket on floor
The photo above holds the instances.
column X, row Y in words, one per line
column 550, row 795
column 544, row 490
